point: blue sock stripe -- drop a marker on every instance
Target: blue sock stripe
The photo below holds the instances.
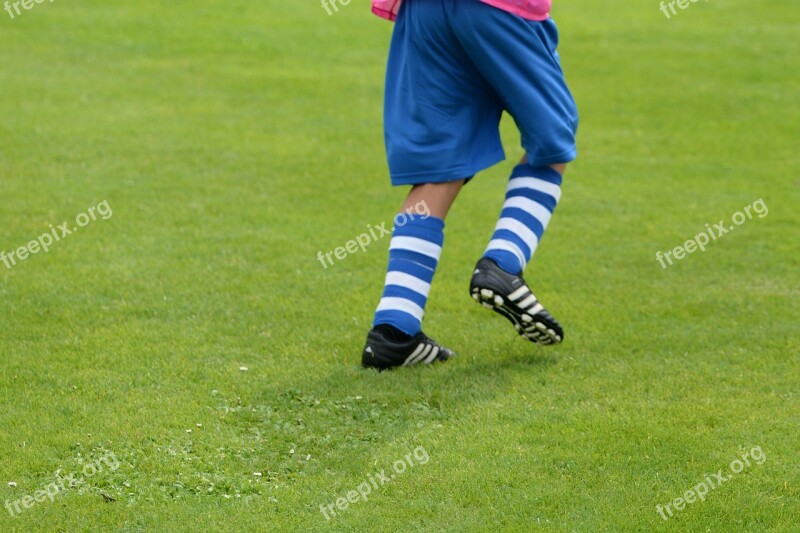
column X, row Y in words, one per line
column 529, row 203
column 505, row 235
column 533, row 223
column 541, row 198
column 410, row 267
column 543, row 173
column 413, row 257
column 406, row 323
column 429, row 229
column 504, row 259
column 396, row 291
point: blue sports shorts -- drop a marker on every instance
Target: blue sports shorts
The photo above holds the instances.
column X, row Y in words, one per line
column 454, row 66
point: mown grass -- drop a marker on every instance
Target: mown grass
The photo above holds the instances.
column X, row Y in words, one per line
column 234, row 140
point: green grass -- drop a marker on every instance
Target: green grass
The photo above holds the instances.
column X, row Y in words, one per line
column 234, row 140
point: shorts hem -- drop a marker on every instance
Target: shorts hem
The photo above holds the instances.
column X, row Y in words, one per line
column 567, row 156
column 453, row 174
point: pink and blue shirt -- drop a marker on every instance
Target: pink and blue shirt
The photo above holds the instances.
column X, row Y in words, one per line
column 528, row 9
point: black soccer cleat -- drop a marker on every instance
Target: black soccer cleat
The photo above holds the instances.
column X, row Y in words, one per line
column 509, row 295
column 382, row 352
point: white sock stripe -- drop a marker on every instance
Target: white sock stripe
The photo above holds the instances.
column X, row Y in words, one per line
column 415, row 244
column 508, row 246
column 520, row 230
column 414, row 354
column 537, row 185
column 400, row 304
column 408, row 281
column 535, row 209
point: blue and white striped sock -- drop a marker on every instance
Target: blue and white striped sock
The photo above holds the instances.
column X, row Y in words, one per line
column 413, row 255
column 531, row 197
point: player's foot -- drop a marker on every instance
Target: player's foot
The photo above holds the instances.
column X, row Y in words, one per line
column 382, row 351
column 509, row 295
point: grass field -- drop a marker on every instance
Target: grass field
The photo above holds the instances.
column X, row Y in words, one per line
column 183, row 362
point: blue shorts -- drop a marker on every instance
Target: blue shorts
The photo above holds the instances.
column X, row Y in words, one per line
column 454, row 67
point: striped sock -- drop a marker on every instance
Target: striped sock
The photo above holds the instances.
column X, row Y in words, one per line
column 531, row 198
column 413, row 255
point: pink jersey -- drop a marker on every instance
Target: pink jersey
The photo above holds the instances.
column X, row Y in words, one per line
column 529, row 9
